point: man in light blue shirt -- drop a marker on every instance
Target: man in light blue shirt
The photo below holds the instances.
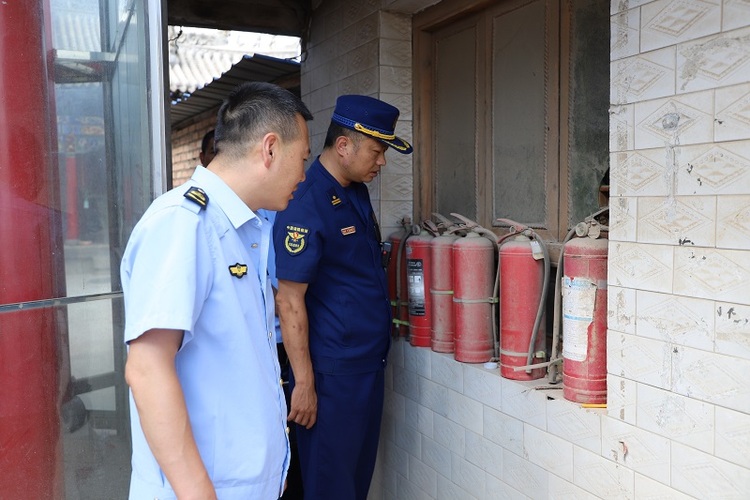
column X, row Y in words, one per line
column 207, row 408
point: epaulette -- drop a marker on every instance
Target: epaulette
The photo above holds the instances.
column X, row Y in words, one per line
column 197, row 195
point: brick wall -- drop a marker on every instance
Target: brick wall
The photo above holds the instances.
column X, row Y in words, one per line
column 186, row 145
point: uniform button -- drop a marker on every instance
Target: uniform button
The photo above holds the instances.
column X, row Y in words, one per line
column 287, row 430
column 281, row 381
column 254, row 245
column 270, row 334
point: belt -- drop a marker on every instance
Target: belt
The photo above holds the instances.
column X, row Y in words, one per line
column 333, row 366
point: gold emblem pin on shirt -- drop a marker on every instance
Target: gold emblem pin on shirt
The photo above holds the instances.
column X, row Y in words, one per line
column 348, row 230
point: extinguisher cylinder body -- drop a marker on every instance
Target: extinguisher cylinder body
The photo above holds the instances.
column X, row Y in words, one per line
column 397, row 285
column 521, row 282
column 584, row 327
column 473, row 282
column 418, row 268
column 441, row 293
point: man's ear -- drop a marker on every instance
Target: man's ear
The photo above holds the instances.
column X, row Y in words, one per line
column 270, row 148
column 342, row 143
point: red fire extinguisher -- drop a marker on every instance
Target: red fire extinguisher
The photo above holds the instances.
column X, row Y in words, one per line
column 584, row 319
column 418, row 273
column 473, row 281
column 524, row 266
column 397, row 283
column 441, row 292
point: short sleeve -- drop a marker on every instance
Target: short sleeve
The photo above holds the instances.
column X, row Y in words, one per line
column 165, row 273
column 298, row 242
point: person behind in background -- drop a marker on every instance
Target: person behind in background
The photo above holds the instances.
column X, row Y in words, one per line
column 208, row 414
column 208, row 148
column 333, row 301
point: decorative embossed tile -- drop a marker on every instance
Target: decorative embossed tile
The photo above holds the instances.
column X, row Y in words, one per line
column 548, row 451
column 520, row 471
column 668, row 22
column 648, row 489
column 621, row 128
column 732, row 105
column 639, row 173
column 686, row 220
column 676, row 120
column 712, row 274
column 676, row 417
column 395, row 80
column 712, row 62
column 433, row 396
column 418, row 416
column 391, row 213
column 733, row 436
column 736, row 14
column 467, row 475
column 465, row 411
column 603, row 477
column 733, row 329
column 483, row 385
column 704, row 476
column 485, row 454
column 395, row 53
column 447, row 371
column 623, row 218
column 615, row 7
column 396, row 187
column 520, row 400
column 560, row 489
column 621, row 314
column 422, row 477
column 621, row 398
column 713, row 378
column 721, row 168
column 504, row 430
column 449, row 434
column 436, row 456
column 675, row 319
column 635, row 448
column 733, row 222
column 640, row 266
column 397, row 163
column 404, row 104
column 642, row 77
column 574, row 424
column 395, row 26
column 639, row 359
column 495, row 489
column 624, row 34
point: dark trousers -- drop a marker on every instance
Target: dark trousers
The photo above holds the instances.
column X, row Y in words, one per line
column 338, row 453
column 294, row 477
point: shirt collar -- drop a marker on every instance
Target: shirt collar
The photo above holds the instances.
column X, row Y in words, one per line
column 222, row 195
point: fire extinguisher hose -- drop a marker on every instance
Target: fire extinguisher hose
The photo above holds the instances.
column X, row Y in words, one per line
column 516, row 228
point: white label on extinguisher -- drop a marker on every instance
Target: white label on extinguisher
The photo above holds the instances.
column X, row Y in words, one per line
column 578, row 300
column 415, row 275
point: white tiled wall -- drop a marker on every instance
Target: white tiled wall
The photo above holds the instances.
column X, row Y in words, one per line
column 677, row 423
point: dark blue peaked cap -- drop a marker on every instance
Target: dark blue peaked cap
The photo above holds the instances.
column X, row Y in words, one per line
column 371, row 117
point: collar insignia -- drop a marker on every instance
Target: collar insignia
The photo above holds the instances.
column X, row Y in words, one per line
column 346, row 231
column 335, row 200
column 238, row 270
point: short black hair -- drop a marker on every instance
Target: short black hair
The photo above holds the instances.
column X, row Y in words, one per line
column 335, row 130
column 206, row 139
column 252, row 110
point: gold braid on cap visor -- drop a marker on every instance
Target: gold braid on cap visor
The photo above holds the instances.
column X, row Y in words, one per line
column 380, row 135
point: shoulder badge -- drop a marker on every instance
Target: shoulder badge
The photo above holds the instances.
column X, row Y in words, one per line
column 295, row 239
column 197, row 195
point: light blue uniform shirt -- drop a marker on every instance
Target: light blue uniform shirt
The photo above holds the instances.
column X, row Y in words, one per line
column 183, row 270
column 270, row 216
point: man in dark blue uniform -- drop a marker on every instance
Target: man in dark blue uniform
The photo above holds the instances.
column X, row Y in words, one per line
column 333, row 301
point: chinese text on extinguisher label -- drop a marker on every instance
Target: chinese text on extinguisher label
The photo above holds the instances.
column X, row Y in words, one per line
column 415, row 277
